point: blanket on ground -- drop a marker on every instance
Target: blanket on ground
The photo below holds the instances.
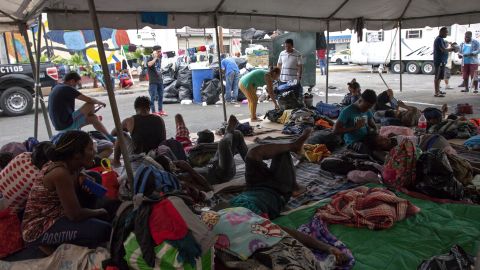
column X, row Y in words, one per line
column 65, row 257
column 375, row 208
column 431, row 232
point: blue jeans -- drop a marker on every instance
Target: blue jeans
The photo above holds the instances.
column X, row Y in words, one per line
column 232, row 85
column 90, row 233
column 156, row 91
column 323, row 64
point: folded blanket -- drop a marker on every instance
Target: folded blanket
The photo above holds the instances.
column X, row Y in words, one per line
column 375, row 208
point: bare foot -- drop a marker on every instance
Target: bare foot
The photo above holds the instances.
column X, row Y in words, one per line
column 256, row 120
column 298, row 144
column 444, row 110
column 232, row 124
column 299, row 190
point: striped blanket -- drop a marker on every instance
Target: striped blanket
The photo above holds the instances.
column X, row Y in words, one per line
column 375, row 208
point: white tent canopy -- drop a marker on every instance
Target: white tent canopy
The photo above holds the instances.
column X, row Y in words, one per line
column 291, row 15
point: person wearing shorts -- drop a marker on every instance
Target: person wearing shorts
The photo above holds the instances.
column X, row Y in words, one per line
column 469, row 51
column 61, row 107
column 440, row 57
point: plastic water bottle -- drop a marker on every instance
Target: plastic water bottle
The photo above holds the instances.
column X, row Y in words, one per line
column 422, row 124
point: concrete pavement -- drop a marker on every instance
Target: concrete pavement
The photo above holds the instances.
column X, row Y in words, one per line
column 417, row 91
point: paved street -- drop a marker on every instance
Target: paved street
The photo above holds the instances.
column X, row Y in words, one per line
column 417, row 91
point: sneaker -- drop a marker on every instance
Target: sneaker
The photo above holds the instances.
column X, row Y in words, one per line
column 448, row 87
column 475, row 92
column 233, row 102
column 443, row 93
column 464, row 91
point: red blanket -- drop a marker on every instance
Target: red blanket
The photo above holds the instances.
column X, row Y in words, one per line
column 375, row 208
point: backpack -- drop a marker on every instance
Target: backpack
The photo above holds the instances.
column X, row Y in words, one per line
column 436, row 177
column 274, row 115
column 288, row 101
column 400, row 166
column 462, row 170
column 329, row 110
column 149, row 179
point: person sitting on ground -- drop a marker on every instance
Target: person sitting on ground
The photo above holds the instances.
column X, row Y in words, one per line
column 257, row 78
column 270, row 188
column 355, row 121
column 125, row 81
column 221, row 167
column 16, row 178
column 354, row 92
column 147, row 130
column 53, row 214
column 61, row 107
column 386, row 101
column 424, row 142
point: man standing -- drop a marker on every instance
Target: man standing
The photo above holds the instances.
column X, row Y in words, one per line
column 469, row 53
column 61, row 107
column 440, row 57
column 321, row 61
column 290, row 64
column 155, row 81
column 232, row 75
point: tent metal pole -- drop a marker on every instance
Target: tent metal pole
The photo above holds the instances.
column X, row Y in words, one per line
column 220, row 67
column 111, row 94
column 400, row 53
column 38, row 89
column 328, row 61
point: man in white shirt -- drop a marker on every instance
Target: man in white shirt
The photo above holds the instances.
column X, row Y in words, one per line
column 290, row 63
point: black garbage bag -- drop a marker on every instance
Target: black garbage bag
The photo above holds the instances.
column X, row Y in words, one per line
column 241, row 96
column 185, row 93
column 288, row 101
column 168, row 75
column 210, row 91
column 248, row 34
column 273, row 115
column 435, row 176
column 170, row 91
column 456, row 259
column 184, row 77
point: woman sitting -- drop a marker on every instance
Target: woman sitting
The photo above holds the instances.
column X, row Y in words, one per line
column 53, row 214
column 17, row 178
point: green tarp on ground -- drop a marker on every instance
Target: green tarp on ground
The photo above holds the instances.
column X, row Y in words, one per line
column 404, row 246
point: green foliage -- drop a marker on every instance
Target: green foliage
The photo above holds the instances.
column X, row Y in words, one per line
column 43, row 58
column 88, row 71
column 77, row 61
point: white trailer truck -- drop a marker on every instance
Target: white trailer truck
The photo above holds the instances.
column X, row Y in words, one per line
column 381, row 47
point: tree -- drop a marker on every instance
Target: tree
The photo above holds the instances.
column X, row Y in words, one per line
column 77, row 61
column 89, row 72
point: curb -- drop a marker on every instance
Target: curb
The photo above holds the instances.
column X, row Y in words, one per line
column 117, row 93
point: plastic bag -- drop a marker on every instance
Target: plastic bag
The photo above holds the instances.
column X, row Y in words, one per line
column 168, row 75
column 210, row 91
column 456, row 259
column 170, row 92
column 184, row 77
column 185, row 93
